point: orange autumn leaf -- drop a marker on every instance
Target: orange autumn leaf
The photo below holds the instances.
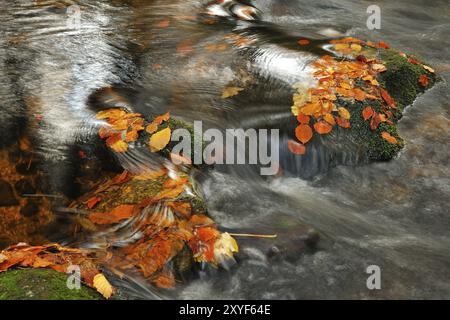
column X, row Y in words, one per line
column 153, row 126
column 185, row 48
column 367, row 112
column 386, row 136
column 375, row 121
column 303, row 133
column 344, row 123
column 163, row 23
column 359, row 94
column 295, row 147
column 328, row 117
column 386, row 97
column 117, row 214
column 165, row 280
column 322, row 127
column 172, row 183
column 159, row 140
column 423, row 80
column 92, row 202
column 310, row 109
column 303, row 42
column 343, row 113
column 303, row 119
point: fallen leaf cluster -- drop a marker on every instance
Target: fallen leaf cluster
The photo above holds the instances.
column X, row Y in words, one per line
column 351, row 78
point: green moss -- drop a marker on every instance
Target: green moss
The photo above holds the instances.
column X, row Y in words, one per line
column 41, row 284
column 402, row 77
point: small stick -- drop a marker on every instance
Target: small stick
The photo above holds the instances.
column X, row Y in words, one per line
column 250, row 235
column 42, row 195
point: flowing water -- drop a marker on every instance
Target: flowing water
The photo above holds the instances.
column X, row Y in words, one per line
column 392, row 214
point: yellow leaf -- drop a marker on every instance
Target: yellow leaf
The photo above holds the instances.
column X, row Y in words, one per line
column 110, row 113
column 429, row 69
column 224, row 247
column 159, row 140
column 119, row 146
column 329, row 118
column 3, row 258
column 103, row 286
column 355, row 47
column 344, row 113
column 230, row 91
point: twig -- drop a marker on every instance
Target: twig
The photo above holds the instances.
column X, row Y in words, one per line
column 42, row 195
column 250, row 235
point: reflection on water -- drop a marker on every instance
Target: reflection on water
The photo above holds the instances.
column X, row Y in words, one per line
column 165, row 55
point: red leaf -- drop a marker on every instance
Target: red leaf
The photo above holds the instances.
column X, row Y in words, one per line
column 389, row 100
column 375, row 121
column 367, row 113
column 93, row 201
column 423, row 80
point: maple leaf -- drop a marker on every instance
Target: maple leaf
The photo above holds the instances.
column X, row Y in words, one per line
column 160, row 139
column 303, row 133
column 230, row 92
column 295, row 147
column 102, row 285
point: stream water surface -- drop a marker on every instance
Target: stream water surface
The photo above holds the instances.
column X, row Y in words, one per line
column 395, row 214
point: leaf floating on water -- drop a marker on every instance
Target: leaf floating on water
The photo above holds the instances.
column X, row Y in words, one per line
column 230, row 92
column 225, row 246
column 119, row 146
column 295, row 147
column 163, row 23
column 102, row 285
column 159, row 140
column 303, row 133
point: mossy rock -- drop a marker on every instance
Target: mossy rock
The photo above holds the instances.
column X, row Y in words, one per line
column 41, row 284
